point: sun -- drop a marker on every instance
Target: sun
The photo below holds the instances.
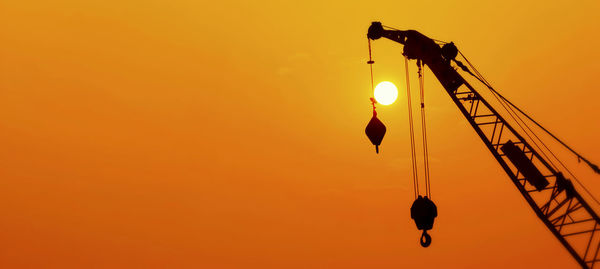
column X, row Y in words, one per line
column 386, row 93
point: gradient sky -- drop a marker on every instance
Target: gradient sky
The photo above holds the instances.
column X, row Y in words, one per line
column 191, row 134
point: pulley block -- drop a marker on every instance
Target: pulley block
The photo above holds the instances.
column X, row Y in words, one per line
column 424, row 211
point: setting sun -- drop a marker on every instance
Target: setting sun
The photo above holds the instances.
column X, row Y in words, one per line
column 386, row 93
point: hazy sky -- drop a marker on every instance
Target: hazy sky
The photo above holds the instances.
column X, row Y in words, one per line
column 230, row 134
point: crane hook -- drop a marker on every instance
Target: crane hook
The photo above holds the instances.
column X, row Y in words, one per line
column 424, row 211
column 425, row 239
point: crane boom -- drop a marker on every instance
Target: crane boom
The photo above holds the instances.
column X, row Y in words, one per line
column 551, row 196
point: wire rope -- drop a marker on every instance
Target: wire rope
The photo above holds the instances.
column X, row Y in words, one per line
column 518, row 120
column 505, row 102
column 412, row 131
column 370, row 62
column 423, row 126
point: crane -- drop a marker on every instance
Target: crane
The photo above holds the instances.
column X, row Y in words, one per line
column 550, row 194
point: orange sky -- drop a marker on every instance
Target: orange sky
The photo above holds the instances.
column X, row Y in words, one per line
column 186, row 134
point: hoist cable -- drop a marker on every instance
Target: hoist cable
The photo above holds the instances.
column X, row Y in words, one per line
column 370, row 62
column 412, row 132
column 579, row 156
column 506, row 103
column 561, row 164
column 423, row 126
column 510, row 104
column 527, row 132
column 520, row 122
